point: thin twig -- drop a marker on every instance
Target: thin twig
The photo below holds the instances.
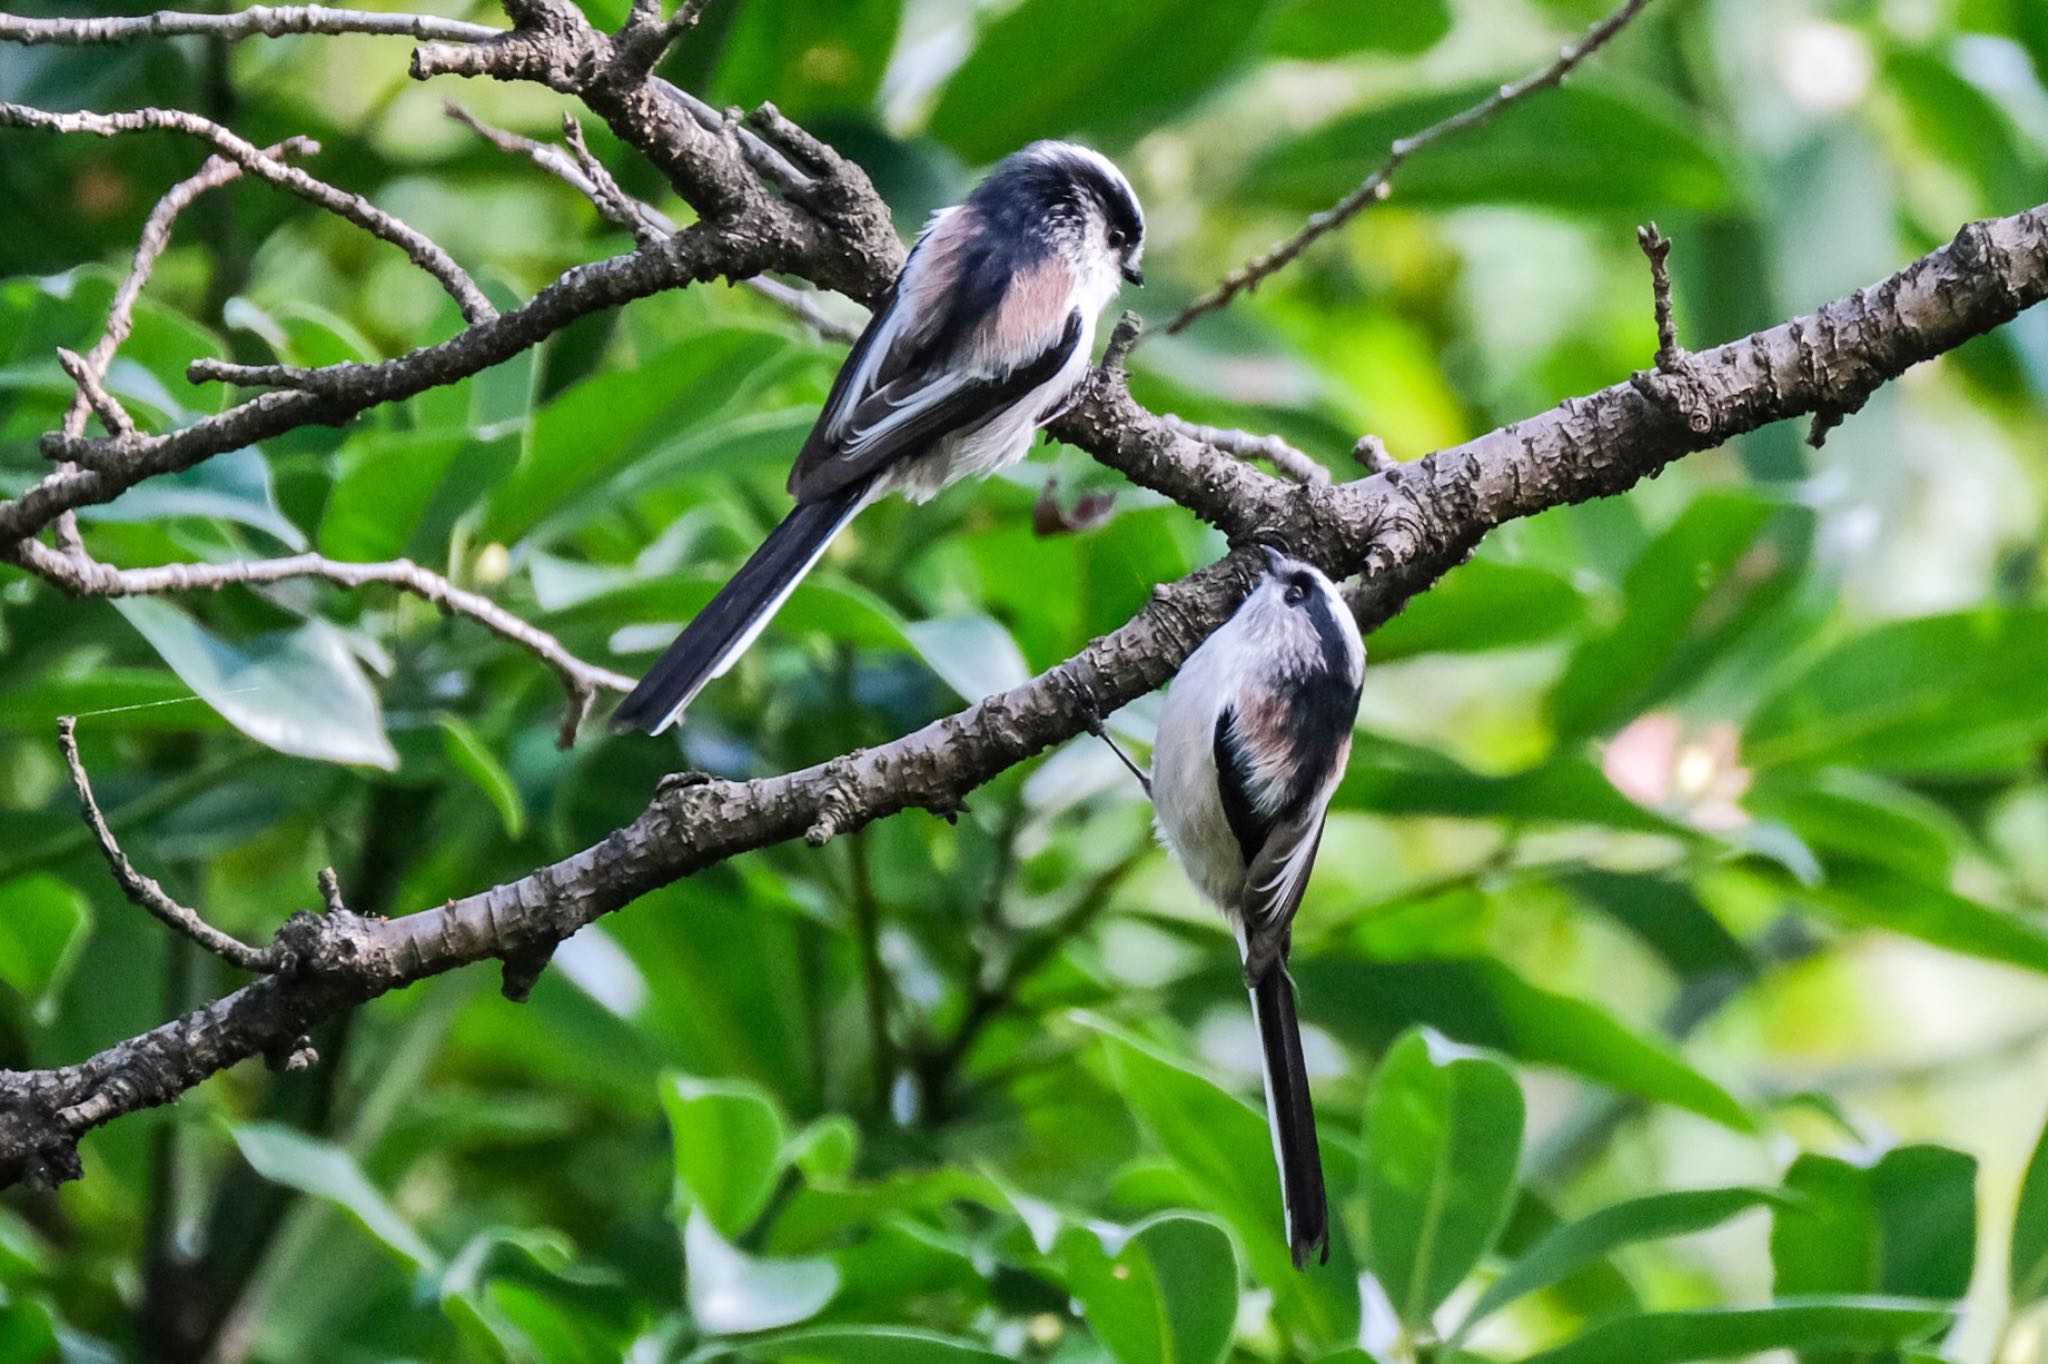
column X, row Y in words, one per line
column 90, row 578
column 94, row 394
column 1371, row 452
column 612, row 201
column 1657, row 248
column 1296, row 464
column 141, row 890
column 258, row 21
column 90, row 376
column 207, row 370
column 352, row 207
column 645, row 218
column 1376, row 185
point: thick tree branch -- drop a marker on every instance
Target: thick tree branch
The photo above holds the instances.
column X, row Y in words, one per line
column 1376, row 185
column 1400, row 528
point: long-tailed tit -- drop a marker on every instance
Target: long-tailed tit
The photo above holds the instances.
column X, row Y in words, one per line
column 1252, row 741
column 980, row 342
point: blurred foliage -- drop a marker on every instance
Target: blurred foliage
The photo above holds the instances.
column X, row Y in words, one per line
column 1674, row 964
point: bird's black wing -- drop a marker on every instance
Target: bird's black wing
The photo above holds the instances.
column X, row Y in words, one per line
column 903, row 415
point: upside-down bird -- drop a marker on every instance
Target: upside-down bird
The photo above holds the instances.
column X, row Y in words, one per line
column 979, row 343
column 1252, row 741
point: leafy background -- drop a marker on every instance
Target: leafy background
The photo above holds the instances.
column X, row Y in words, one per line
column 1674, row 967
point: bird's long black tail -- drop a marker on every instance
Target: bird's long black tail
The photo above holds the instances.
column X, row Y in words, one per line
column 741, row 610
column 1292, row 1117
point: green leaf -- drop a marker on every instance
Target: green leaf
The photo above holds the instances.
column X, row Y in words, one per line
column 1041, row 70
column 234, row 487
column 322, row 1169
column 386, row 482
column 1858, row 815
column 1390, row 778
column 1318, row 30
column 300, row 691
column 1594, row 146
column 867, row 1345
column 808, row 56
column 1482, row 605
column 1481, row 1003
column 43, row 925
column 1955, row 695
column 1443, row 1136
column 972, row 653
column 1906, row 1225
column 1592, row 1238
column 469, row 755
column 1665, row 913
column 1884, row 899
column 1614, row 675
column 1733, row 1332
column 1226, row 1151
column 728, row 1139
column 1168, row 1294
column 732, row 1291
column 2027, row 1271
column 594, row 435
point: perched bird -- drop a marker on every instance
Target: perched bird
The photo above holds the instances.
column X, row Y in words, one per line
column 1252, row 741
column 980, row 342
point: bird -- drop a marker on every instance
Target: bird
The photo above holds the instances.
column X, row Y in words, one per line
column 981, row 340
column 1252, row 741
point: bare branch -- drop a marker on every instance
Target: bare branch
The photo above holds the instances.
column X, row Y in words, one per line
column 604, row 191
column 143, row 891
column 583, row 681
column 1377, row 185
column 1296, row 464
column 91, row 393
column 258, row 21
column 1657, row 248
column 352, row 207
column 1371, row 452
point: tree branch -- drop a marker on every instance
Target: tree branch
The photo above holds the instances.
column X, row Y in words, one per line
column 352, row 207
column 87, row 577
column 1376, row 185
column 143, row 891
column 1397, row 527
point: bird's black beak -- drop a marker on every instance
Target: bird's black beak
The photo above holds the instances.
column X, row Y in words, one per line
column 1273, row 560
column 1134, row 274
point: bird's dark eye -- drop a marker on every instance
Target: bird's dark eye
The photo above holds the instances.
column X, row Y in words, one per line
column 1117, row 238
column 1295, row 594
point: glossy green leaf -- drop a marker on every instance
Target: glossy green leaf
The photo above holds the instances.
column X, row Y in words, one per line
column 1883, row 899
column 1690, row 565
column 1393, row 779
column 386, row 482
column 468, row 754
column 1226, row 1151
column 1168, row 1294
column 867, row 1345
column 1482, row 605
column 1443, row 1137
column 324, row 1170
column 44, row 923
column 1859, row 1324
column 2027, row 1266
column 235, row 486
column 1592, row 1238
column 1665, row 913
column 1590, row 147
column 728, row 1140
column 1481, row 1003
column 300, row 691
column 1905, row 1225
column 1317, row 30
column 731, row 1291
column 1040, row 70
column 1941, row 695
column 809, row 57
